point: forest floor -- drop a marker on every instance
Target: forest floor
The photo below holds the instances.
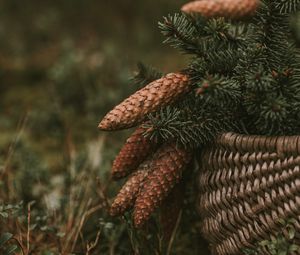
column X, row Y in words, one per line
column 63, row 65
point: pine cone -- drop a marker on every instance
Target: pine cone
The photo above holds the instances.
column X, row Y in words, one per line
column 170, row 211
column 167, row 171
column 234, row 9
column 136, row 149
column 134, row 109
column 127, row 195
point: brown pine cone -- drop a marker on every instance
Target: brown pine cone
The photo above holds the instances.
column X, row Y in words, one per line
column 134, row 109
column 233, row 9
column 167, row 171
column 136, row 149
column 170, row 211
column 127, row 195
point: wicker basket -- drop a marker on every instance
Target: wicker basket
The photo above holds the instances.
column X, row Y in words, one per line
column 248, row 183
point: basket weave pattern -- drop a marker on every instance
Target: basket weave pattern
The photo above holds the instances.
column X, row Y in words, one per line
column 248, row 183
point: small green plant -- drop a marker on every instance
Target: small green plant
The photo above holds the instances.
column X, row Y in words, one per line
column 281, row 244
column 7, row 210
column 6, row 244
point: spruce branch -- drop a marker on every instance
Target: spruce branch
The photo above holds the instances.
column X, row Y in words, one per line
column 272, row 33
column 145, row 74
column 180, row 32
column 261, row 81
column 219, row 91
column 253, row 57
column 272, row 114
column 222, row 61
column 222, row 31
column 196, row 69
column 189, row 126
column 275, row 116
column 287, row 6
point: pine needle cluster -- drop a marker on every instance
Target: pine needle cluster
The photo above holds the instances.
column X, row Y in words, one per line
column 244, row 73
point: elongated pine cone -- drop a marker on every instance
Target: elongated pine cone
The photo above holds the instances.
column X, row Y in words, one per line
column 234, row 9
column 168, row 169
column 134, row 109
column 127, row 195
column 136, row 149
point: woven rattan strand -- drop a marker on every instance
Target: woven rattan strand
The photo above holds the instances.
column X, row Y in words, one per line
column 246, row 184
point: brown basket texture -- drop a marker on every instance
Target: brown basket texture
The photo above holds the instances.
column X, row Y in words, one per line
column 247, row 184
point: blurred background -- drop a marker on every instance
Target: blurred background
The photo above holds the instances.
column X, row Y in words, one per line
column 63, row 65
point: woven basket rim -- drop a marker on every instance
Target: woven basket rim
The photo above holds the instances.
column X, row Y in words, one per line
column 282, row 145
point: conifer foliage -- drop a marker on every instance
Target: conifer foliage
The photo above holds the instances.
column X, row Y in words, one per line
column 243, row 76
